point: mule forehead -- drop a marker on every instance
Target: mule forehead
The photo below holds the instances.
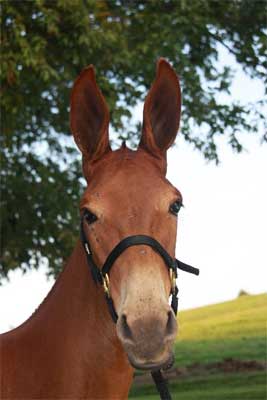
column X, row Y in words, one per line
column 134, row 178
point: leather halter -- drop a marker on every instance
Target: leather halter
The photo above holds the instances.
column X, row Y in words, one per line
column 101, row 276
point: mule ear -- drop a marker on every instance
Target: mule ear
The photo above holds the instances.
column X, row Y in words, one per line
column 89, row 116
column 162, row 110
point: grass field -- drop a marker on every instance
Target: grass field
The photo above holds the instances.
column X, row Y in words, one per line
column 234, row 329
column 245, row 386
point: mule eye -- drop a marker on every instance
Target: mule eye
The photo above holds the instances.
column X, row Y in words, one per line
column 89, row 216
column 175, row 207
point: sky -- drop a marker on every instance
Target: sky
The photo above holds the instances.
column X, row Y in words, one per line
column 221, row 229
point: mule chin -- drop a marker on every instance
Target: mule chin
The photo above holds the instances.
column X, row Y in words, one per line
column 152, row 365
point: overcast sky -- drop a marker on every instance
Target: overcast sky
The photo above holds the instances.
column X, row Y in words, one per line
column 222, row 229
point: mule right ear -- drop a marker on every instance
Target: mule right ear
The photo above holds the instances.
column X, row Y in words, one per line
column 89, row 116
column 161, row 111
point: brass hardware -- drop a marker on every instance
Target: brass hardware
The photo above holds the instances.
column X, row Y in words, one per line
column 173, row 280
column 106, row 284
column 87, row 248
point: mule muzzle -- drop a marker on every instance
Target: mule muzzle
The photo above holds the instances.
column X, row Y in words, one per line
column 148, row 341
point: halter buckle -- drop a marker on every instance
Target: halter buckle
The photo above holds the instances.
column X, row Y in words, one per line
column 106, row 284
column 173, row 280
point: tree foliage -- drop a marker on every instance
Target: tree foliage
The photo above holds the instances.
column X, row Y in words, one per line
column 45, row 44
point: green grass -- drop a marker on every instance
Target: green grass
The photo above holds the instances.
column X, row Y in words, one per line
column 234, row 329
column 208, row 351
column 244, row 316
column 246, row 386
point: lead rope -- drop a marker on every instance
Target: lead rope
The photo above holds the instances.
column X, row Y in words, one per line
column 161, row 385
column 101, row 277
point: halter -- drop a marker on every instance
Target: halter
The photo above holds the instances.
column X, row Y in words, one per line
column 101, row 276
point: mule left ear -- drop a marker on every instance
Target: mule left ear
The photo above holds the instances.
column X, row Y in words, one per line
column 89, row 116
column 162, row 110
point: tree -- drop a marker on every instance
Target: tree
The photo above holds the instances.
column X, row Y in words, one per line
column 45, row 44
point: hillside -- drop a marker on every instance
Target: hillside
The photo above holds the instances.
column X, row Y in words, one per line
column 246, row 315
column 234, row 329
column 220, row 353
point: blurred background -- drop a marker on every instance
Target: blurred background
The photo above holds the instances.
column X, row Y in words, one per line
column 218, row 49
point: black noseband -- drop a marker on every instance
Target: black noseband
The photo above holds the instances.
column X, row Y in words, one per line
column 101, row 275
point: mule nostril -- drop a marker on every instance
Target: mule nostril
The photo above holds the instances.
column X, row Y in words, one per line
column 171, row 326
column 125, row 329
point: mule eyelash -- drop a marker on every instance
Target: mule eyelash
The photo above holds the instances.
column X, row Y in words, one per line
column 175, row 207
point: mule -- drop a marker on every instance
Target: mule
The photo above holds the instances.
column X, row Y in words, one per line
column 70, row 348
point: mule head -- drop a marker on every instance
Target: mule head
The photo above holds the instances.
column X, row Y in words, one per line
column 128, row 194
